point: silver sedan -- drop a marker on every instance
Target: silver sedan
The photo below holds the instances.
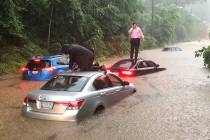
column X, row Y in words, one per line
column 73, row 96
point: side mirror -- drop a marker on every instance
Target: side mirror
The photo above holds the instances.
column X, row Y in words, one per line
column 125, row 83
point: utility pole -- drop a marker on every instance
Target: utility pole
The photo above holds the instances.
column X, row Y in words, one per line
column 152, row 24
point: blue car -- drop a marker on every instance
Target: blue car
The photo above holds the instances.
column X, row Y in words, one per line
column 44, row 67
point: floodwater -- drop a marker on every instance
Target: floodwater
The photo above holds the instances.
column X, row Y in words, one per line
column 169, row 105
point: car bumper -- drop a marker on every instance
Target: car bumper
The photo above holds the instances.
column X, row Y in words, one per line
column 37, row 78
column 70, row 115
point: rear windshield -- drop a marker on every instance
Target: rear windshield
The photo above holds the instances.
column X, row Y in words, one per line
column 166, row 49
column 123, row 64
column 38, row 64
column 66, row 83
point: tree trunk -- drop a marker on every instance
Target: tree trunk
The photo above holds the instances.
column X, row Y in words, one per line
column 49, row 29
column 152, row 24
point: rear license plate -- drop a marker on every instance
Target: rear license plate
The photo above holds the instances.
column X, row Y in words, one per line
column 44, row 105
column 35, row 72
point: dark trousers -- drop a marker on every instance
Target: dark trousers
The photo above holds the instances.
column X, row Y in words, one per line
column 85, row 62
column 135, row 42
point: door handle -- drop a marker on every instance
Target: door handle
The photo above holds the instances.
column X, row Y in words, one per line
column 102, row 93
column 108, row 93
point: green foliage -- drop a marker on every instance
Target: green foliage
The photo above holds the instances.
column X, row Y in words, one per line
column 206, row 57
column 150, row 42
column 205, row 52
column 171, row 23
column 55, row 48
column 118, row 45
column 209, row 34
column 10, row 24
column 7, row 68
column 13, row 57
column 199, row 53
column 97, row 43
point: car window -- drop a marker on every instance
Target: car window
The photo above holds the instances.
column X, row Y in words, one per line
column 64, row 60
column 150, row 64
column 101, row 83
column 115, row 80
column 142, row 64
column 166, row 49
column 123, row 64
column 38, row 64
column 172, row 49
column 178, row 49
column 66, row 83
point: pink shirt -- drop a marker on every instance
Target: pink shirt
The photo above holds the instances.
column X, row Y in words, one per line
column 136, row 33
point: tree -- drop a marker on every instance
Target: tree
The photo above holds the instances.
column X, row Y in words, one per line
column 10, row 25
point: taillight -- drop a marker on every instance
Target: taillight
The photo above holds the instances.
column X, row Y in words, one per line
column 37, row 60
column 126, row 72
column 50, row 69
column 23, row 69
column 108, row 70
column 76, row 103
column 61, row 103
column 27, row 100
column 73, row 105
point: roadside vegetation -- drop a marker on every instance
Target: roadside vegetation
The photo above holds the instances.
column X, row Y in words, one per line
column 31, row 27
column 205, row 53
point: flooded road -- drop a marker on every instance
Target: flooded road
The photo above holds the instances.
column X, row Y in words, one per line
column 172, row 104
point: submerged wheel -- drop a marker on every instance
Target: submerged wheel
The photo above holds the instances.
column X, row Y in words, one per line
column 99, row 110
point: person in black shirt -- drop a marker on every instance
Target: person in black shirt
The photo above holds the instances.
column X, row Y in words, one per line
column 80, row 55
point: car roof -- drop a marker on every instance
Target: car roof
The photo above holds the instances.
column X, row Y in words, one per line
column 133, row 65
column 172, row 49
column 139, row 59
column 83, row 73
column 53, row 57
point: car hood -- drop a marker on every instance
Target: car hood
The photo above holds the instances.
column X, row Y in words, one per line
column 49, row 95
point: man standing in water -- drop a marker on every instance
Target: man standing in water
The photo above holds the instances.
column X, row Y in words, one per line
column 136, row 36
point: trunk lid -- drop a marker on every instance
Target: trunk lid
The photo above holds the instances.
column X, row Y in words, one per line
column 51, row 101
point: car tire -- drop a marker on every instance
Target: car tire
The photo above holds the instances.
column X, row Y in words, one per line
column 99, row 110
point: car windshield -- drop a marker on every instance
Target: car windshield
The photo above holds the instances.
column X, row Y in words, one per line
column 123, row 64
column 66, row 83
column 166, row 49
column 37, row 63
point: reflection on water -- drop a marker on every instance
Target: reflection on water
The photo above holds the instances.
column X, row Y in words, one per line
column 25, row 86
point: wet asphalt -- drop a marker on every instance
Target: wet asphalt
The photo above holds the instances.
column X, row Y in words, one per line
column 173, row 104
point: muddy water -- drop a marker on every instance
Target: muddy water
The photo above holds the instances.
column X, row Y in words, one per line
column 172, row 104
